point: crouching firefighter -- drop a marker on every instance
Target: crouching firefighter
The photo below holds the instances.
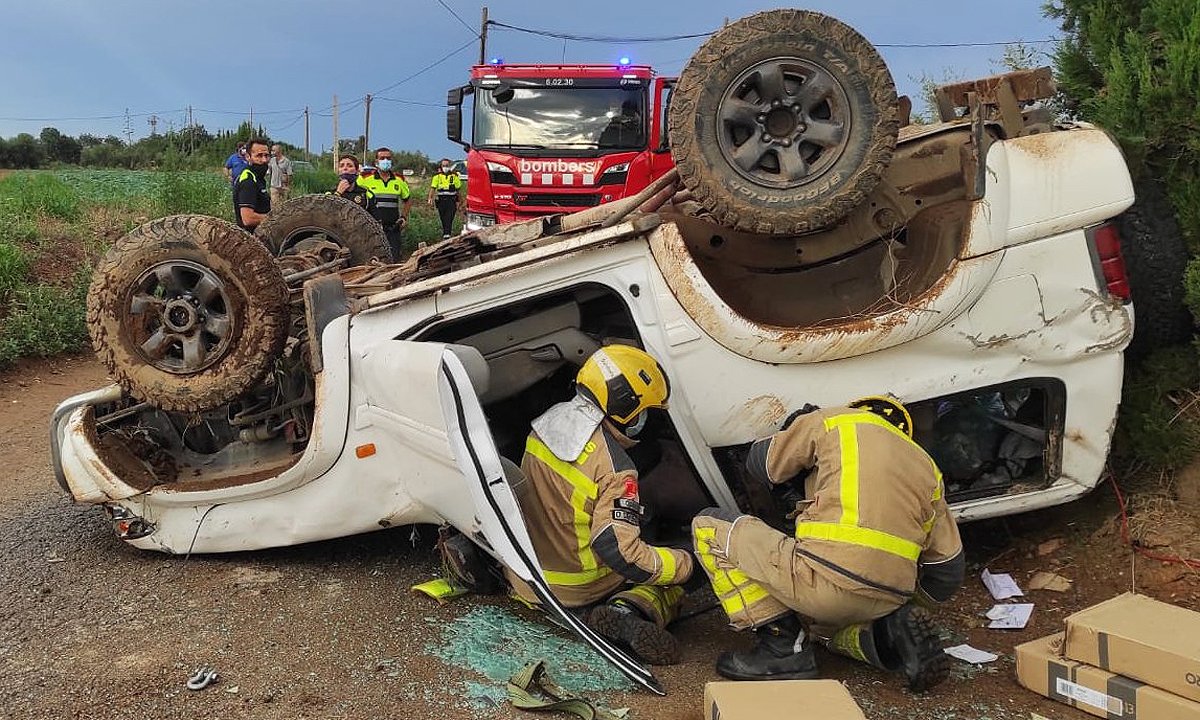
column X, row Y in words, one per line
column 582, row 508
column 874, row 543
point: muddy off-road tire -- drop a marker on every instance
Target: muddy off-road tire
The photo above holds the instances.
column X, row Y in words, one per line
column 783, row 122
column 187, row 312
column 339, row 220
column 1156, row 256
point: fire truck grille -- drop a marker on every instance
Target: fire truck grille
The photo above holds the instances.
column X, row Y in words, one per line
column 556, row 199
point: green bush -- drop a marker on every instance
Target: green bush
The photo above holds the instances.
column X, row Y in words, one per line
column 193, row 192
column 1151, row 429
column 308, row 182
column 45, row 320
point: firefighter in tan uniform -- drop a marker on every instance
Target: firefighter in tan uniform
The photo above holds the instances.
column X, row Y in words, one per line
column 873, row 533
column 582, row 508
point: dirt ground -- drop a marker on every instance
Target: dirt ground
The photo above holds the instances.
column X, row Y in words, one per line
column 97, row 629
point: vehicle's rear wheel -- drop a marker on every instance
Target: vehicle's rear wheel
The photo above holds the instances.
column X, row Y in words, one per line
column 1156, row 256
column 328, row 217
column 187, row 312
column 783, row 122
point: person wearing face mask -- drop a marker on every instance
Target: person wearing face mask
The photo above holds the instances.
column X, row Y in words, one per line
column 582, row 509
column 251, row 202
column 348, row 186
column 393, row 199
column 445, row 186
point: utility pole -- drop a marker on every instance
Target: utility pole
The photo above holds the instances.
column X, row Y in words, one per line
column 128, row 129
column 153, row 121
column 367, row 127
column 483, row 25
column 252, row 120
column 307, row 154
column 191, row 133
column 335, row 138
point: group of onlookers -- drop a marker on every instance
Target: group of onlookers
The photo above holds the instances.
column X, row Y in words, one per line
column 261, row 178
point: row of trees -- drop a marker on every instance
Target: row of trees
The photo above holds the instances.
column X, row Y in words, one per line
column 188, row 148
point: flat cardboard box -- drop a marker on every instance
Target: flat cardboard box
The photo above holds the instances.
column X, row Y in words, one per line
column 1142, row 638
column 780, row 700
column 1042, row 669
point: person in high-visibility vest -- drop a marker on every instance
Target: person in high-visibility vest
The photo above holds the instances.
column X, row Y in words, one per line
column 444, row 187
column 581, row 506
column 874, row 545
column 393, row 199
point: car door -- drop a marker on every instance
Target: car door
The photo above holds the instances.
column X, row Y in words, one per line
column 479, row 501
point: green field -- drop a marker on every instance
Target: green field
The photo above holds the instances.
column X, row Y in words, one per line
column 54, row 224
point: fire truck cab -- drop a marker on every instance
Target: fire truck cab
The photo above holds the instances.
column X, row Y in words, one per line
column 558, row 138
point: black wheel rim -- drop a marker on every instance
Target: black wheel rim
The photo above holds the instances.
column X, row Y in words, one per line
column 179, row 316
column 783, row 122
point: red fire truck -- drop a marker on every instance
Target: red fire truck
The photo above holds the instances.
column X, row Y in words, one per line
column 558, row 138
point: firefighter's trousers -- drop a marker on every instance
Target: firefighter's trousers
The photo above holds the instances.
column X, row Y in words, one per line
column 758, row 576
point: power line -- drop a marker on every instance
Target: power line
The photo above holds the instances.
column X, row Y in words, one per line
column 692, row 36
column 118, row 116
column 449, row 9
column 243, row 112
column 597, row 38
column 428, row 67
column 411, row 102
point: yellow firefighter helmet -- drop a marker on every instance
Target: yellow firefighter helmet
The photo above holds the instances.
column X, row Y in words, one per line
column 624, row 382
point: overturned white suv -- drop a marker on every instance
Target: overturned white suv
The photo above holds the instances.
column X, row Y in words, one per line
column 290, row 387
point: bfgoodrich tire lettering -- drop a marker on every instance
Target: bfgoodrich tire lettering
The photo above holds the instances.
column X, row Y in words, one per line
column 783, row 122
column 187, row 312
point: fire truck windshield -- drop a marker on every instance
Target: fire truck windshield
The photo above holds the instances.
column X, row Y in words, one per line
column 572, row 118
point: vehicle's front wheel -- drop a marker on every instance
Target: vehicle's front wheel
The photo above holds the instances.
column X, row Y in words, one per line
column 187, row 312
column 783, row 122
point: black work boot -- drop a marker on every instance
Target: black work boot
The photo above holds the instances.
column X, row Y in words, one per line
column 625, row 624
column 773, row 657
column 914, row 646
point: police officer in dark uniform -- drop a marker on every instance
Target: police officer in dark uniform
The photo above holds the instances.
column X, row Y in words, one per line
column 251, row 201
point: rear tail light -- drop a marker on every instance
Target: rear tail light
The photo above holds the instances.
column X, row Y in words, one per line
column 1110, row 266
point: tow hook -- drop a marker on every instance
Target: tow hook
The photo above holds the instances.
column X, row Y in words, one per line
column 202, row 678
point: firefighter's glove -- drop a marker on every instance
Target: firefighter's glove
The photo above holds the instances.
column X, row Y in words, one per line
column 808, row 407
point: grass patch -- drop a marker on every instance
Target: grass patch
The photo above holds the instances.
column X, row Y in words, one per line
column 45, row 320
column 31, row 194
column 14, row 267
column 309, row 182
column 193, row 192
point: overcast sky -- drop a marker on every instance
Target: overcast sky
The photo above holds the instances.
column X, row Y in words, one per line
column 65, row 59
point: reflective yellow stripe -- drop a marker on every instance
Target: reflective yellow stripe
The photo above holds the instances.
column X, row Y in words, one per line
column 937, row 491
column 584, row 489
column 927, row 526
column 651, row 596
column 585, row 577
column 848, row 437
column 668, row 565
column 734, row 588
column 865, row 418
column 745, row 597
column 863, row 537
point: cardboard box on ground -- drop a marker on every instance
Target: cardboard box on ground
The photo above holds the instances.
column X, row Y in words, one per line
column 1128, row 657
column 780, row 700
column 1042, row 669
column 1141, row 638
